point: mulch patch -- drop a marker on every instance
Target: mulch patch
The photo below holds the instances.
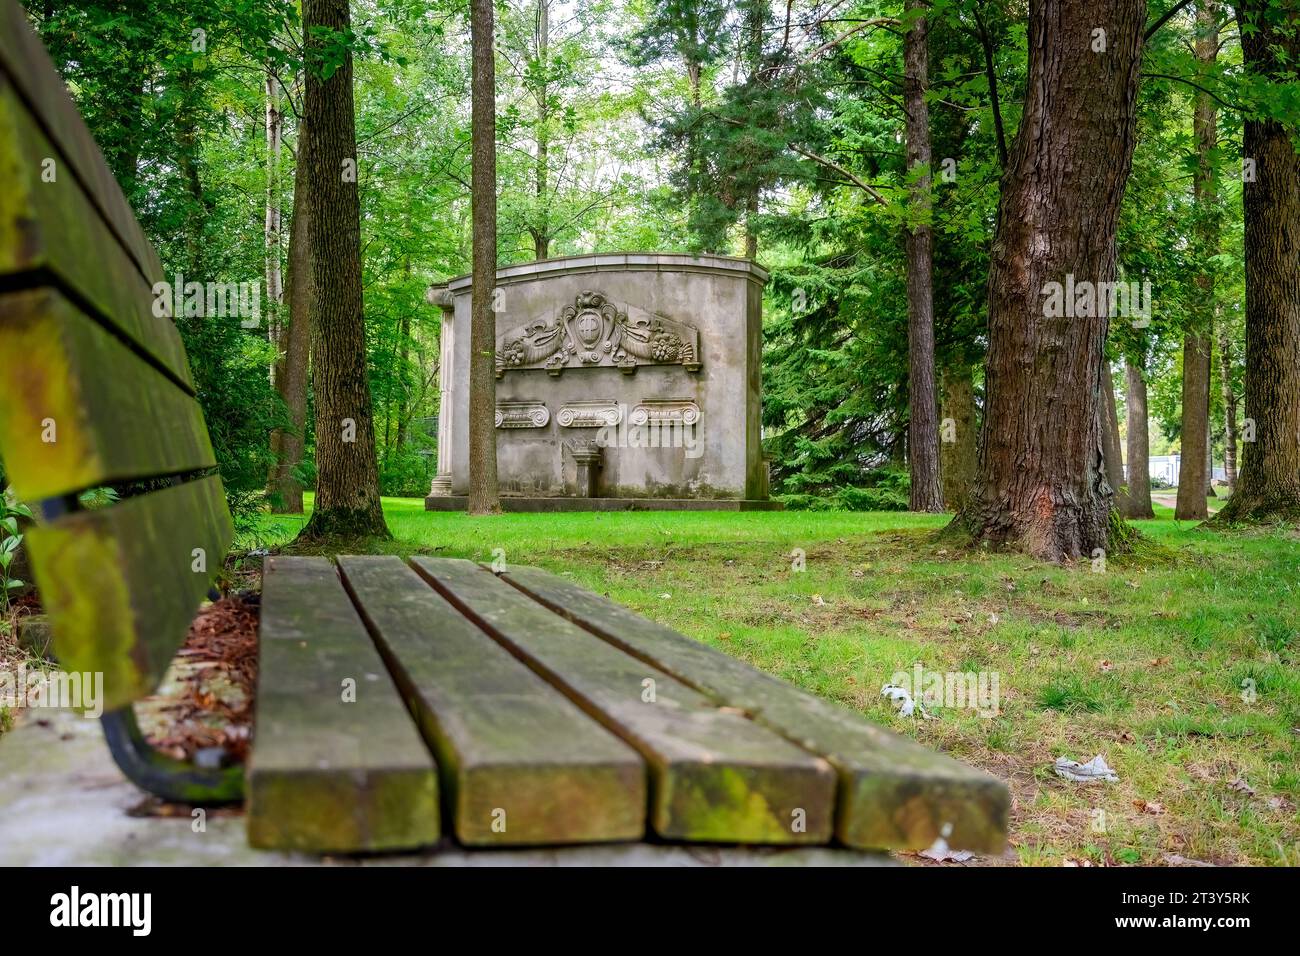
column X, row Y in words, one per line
column 210, row 704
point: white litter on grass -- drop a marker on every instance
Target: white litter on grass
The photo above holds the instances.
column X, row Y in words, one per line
column 1094, row 771
column 940, row 851
column 903, row 702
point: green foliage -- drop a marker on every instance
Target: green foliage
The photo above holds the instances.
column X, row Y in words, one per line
column 11, row 538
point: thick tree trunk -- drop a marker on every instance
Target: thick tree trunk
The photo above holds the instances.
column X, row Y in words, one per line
column 1041, row 485
column 483, row 492
column 285, row 490
column 923, row 428
column 1268, row 486
column 347, row 482
column 1196, row 396
column 958, row 451
column 1112, row 455
column 1137, row 501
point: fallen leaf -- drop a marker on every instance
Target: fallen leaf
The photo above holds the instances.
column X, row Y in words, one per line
column 1149, row 806
column 1106, row 666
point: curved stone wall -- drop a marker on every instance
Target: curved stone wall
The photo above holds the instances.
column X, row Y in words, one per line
column 647, row 365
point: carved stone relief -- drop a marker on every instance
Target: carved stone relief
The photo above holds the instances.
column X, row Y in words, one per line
column 662, row 411
column 522, row 415
column 594, row 332
column 589, row 414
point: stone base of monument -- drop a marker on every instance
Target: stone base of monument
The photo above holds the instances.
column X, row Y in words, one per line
column 459, row 503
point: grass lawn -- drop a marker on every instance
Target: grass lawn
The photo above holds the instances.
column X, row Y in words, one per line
column 1179, row 667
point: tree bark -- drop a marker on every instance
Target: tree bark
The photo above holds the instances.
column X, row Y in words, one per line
column 1268, row 487
column 483, row 491
column 923, row 432
column 1193, row 481
column 958, row 451
column 542, row 232
column 285, row 490
column 1041, row 485
column 271, row 233
column 1191, row 504
column 1112, row 456
column 1137, row 502
column 1229, row 405
column 347, row 481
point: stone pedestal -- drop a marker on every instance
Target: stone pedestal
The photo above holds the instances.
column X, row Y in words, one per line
column 587, row 457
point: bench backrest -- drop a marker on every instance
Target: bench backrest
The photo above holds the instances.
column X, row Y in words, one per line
column 96, row 391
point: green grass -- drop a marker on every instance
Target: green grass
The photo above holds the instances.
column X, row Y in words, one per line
column 1178, row 664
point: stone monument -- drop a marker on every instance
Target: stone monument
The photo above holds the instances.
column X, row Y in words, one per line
column 624, row 381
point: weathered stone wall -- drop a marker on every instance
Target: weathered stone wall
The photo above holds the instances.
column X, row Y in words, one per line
column 632, row 339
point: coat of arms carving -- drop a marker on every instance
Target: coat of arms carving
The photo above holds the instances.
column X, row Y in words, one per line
column 594, row 332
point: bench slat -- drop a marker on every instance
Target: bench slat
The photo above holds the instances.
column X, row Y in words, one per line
column 54, row 226
column 120, row 584
column 521, row 763
column 328, row 775
column 112, row 416
column 23, row 58
column 715, row 776
column 895, row 793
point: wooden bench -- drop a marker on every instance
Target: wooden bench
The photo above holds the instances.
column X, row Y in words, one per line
column 398, row 703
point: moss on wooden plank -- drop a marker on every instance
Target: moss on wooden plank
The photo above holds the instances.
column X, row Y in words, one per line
column 80, row 410
column 894, row 793
column 51, row 224
column 715, row 776
column 337, row 762
column 120, row 584
column 520, row 763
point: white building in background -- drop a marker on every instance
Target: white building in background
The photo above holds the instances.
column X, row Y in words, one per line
column 1166, row 468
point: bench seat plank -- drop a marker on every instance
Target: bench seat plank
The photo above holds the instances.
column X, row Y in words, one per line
column 82, row 410
column 715, row 776
column 326, row 774
column 895, row 793
column 521, row 764
column 121, row 584
column 53, row 226
column 29, row 67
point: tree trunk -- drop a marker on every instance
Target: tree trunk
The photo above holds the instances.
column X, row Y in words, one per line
column 1193, row 483
column 1137, row 501
column 1229, row 405
column 285, row 490
column 542, row 233
column 347, row 482
column 1112, row 456
column 958, row 451
column 1041, row 486
column 1268, row 487
column 1196, row 396
column 923, row 431
column 271, row 233
column 483, row 493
